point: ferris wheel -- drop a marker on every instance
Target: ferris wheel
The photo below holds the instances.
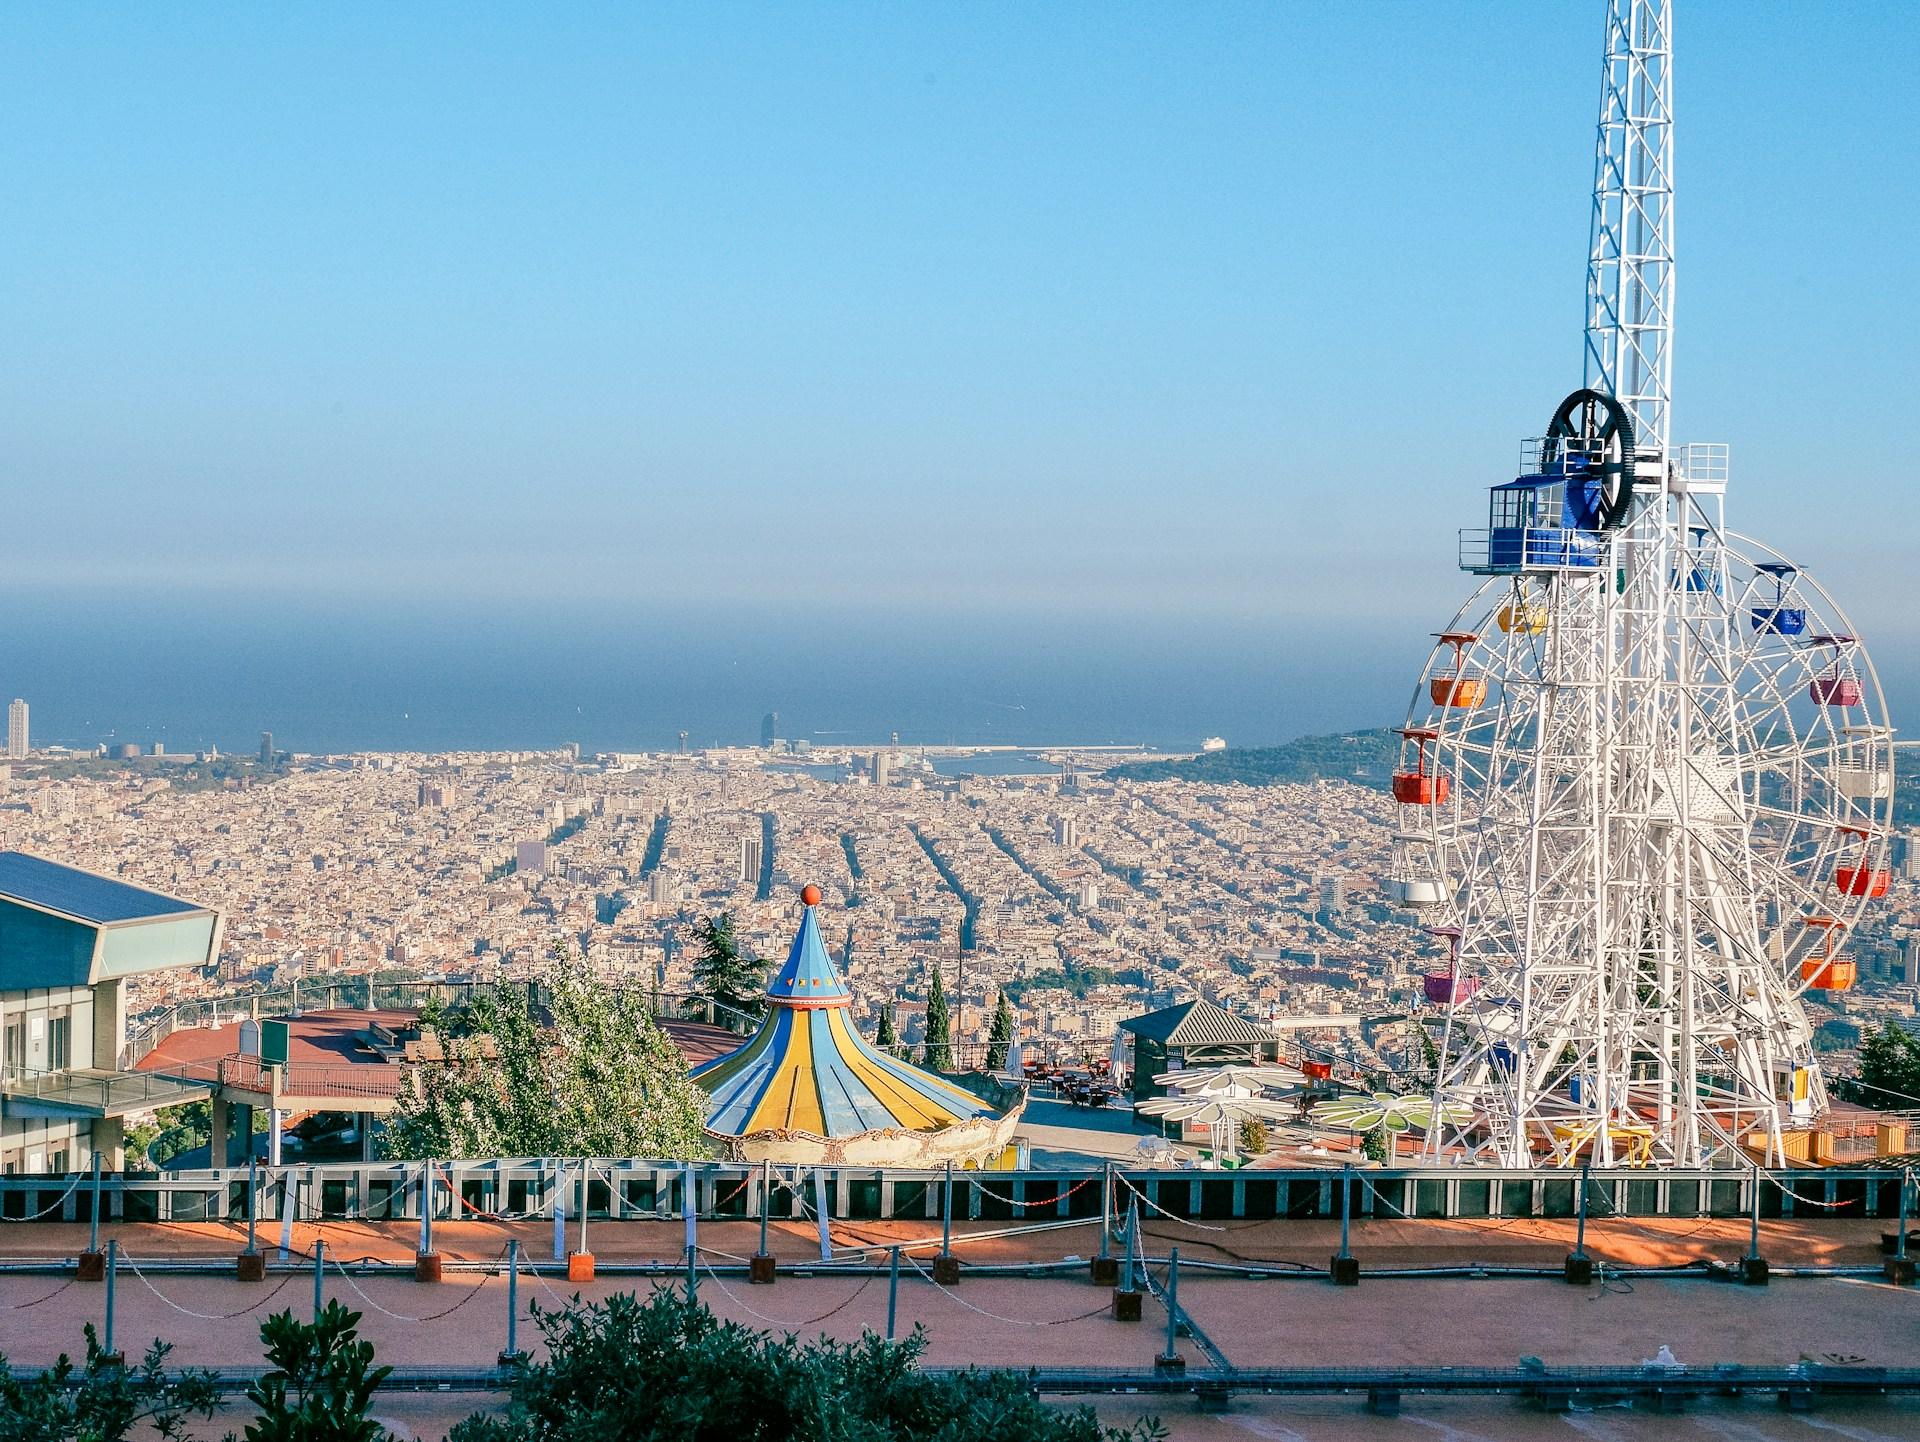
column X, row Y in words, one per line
column 1767, row 820
column 1646, row 782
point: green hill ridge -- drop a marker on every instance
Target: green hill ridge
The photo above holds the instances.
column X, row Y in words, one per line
column 1365, row 758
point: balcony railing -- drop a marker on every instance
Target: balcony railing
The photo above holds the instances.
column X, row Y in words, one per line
column 103, row 1091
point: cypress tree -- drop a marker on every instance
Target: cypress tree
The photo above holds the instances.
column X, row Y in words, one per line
column 939, row 1050
column 999, row 1034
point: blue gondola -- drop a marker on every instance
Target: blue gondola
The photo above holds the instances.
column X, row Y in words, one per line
column 1779, row 617
column 1702, row 575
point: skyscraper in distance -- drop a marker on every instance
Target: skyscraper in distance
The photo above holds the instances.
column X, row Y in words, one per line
column 769, row 729
column 266, row 748
column 17, row 730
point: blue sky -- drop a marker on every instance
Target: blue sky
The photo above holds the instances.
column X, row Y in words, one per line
column 1186, row 311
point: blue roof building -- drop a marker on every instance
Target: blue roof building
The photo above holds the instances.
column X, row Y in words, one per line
column 68, row 939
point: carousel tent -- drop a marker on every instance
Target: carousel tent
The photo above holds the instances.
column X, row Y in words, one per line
column 807, row 1073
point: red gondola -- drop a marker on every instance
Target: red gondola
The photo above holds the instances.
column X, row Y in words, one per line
column 1857, row 875
column 1420, row 787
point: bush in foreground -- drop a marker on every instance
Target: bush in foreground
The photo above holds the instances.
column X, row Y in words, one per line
column 635, row 1369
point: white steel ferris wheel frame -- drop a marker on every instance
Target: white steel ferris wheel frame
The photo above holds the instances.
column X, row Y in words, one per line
column 1646, row 811
column 1634, row 864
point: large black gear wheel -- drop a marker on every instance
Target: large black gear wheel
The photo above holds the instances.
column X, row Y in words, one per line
column 1603, row 426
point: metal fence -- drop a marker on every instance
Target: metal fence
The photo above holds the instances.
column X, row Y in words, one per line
column 624, row 1189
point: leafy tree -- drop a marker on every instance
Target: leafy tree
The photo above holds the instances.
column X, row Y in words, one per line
column 939, row 1049
column 141, row 1136
column 999, row 1034
column 1889, row 1074
column 883, row 1035
column 664, row 1369
column 596, row 1078
column 724, row 970
column 1253, row 1136
column 322, row 1383
column 1377, row 1145
column 103, row 1401
column 186, row 1125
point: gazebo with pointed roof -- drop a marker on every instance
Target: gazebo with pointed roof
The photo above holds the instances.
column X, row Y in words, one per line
column 808, row 1088
column 1193, row 1034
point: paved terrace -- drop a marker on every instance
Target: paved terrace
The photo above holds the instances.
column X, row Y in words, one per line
column 453, row 1329
column 1026, row 1300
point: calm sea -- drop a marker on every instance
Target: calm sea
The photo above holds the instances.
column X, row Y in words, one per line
column 193, row 673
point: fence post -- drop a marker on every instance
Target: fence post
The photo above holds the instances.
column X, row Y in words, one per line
column 93, row 1222
column 1579, row 1266
column 760, row 1266
column 893, row 1289
column 426, row 1266
column 1103, row 1269
column 1753, row 1266
column 946, row 1266
column 1126, row 1297
column 1344, row 1269
column 319, row 1277
column 113, row 1281
column 1900, row 1268
column 580, row 1261
column 820, row 1212
column 250, row 1266
column 508, row 1357
column 1171, row 1360
column 92, row 1266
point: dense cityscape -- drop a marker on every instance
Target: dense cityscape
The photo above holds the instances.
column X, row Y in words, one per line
column 981, row 407
column 1086, row 898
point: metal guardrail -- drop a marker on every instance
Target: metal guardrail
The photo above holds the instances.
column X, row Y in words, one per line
column 370, row 995
column 628, row 1189
column 93, row 1088
column 1803, row 1381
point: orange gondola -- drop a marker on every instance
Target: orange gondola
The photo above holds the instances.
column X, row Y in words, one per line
column 1458, row 687
column 1822, row 969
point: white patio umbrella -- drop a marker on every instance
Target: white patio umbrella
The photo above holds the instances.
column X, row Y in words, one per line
column 1220, row 1115
column 1231, row 1080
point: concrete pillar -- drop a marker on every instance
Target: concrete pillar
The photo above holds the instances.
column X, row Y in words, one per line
column 109, row 1025
column 218, row 1127
column 110, row 1140
column 363, row 1123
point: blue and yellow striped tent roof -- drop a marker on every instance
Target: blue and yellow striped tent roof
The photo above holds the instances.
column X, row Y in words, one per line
column 808, row 976
column 808, row 1070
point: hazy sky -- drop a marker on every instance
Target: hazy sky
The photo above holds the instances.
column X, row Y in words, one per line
column 1203, row 310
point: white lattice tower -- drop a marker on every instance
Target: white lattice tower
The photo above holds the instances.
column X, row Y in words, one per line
column 1647, row 815
column 1630, row 264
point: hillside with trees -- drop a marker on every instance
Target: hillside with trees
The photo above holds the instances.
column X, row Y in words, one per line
column 1365, row 758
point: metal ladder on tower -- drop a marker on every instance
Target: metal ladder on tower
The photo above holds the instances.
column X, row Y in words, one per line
column 1497, row 1106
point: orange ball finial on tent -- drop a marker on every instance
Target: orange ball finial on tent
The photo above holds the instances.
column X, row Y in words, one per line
column 809, row 895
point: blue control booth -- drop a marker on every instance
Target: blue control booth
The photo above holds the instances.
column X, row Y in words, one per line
column 1550, row 521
